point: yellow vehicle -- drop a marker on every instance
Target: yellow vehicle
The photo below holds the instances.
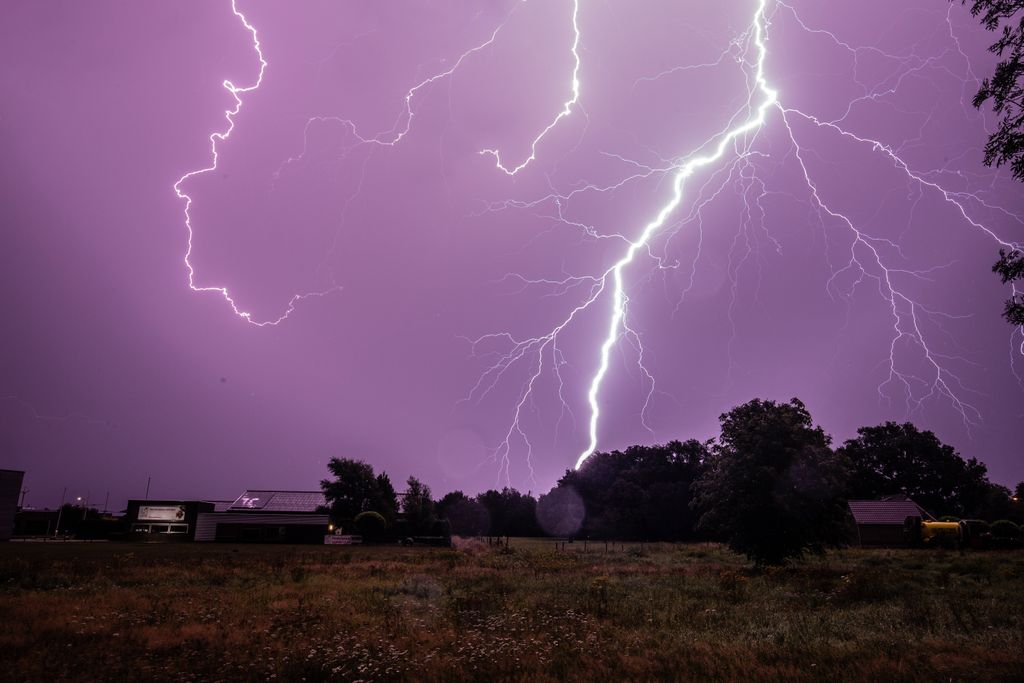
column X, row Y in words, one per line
column 930, row 533
column 941, row 533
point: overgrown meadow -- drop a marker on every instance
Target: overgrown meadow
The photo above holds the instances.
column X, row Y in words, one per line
column 531, row 611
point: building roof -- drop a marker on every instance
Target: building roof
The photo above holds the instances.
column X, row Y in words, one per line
column 279, row 501
column 889, row 510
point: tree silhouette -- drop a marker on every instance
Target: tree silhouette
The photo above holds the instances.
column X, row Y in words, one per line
column 1006, row 93
column 355, row 489
column 642, row 492
column 773, row 487
column 1003, row 88
column 418, row 507
column 466, row 516
column 1010, row 268
column 899, row 458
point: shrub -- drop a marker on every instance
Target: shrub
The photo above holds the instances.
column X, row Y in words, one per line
column 1004, row 528
column 371, row 524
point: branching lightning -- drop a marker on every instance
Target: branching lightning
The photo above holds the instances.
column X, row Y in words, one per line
column 567, row 107
column 615, row 323
column 732, row 150
column 731, row 157
column 218, row 137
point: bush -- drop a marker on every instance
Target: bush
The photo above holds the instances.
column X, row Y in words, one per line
column 371, row 524
column 1004, row 528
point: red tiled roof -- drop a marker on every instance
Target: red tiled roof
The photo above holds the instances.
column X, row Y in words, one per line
column 885, row 511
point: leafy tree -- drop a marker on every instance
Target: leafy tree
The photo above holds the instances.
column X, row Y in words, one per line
column 1006, row 144
column 643, row 492
column 465, row 515
column 899, row 458
column 993, row 502
column 560, row 512
column 511, row 513
column 386, row 500
column 418, row 506
column 1006, row 93
column 1010, row 268
column 355, row 489
column 449, row 501
column 773, row 487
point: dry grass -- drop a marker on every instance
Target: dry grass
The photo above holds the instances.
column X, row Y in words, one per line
column 680, row 612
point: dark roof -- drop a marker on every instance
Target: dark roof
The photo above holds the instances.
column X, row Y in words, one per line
column 279, row 501
column 889, row 510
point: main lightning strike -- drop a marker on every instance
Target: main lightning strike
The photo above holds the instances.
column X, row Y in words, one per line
column 866, row 257
column 615, row 322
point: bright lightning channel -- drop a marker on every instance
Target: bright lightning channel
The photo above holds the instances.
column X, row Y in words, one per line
column 867, row 258
column 615, row 322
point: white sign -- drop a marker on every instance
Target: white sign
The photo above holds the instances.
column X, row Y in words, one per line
column 338, row 539
column 161, row 513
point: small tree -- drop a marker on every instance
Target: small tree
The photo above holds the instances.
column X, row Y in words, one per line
column 386, row 500
column 356, row 489
column 465, row 516
column 418, row 506
column 773, row 487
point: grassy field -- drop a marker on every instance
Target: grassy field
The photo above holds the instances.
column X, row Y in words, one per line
column 105, row 611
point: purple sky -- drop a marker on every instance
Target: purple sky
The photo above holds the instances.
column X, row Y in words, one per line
column 866, row 291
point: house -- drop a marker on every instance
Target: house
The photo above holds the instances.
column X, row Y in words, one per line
column 264, row 516
column 880, row 522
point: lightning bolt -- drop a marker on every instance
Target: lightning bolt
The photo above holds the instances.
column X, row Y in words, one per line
column 731, row 157
column 769, row 97
column 869, row 258
column 216, row 138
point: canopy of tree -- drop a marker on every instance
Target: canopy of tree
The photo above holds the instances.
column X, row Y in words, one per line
column 356, row 489
column 1006, row 94
column 418, row 507
column 1003, row 89
column 466, row 516
column 510, row 513
column 1010, row 268
column 769, row 485
column 643, row 492
column 899, row 458
column 773, row 489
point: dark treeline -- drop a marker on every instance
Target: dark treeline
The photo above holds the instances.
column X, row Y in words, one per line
column 770, row 471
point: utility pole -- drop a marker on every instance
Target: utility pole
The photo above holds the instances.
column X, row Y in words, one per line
column 105, row 501
column 148, row 479
column 23, row 492
column 60, row 511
